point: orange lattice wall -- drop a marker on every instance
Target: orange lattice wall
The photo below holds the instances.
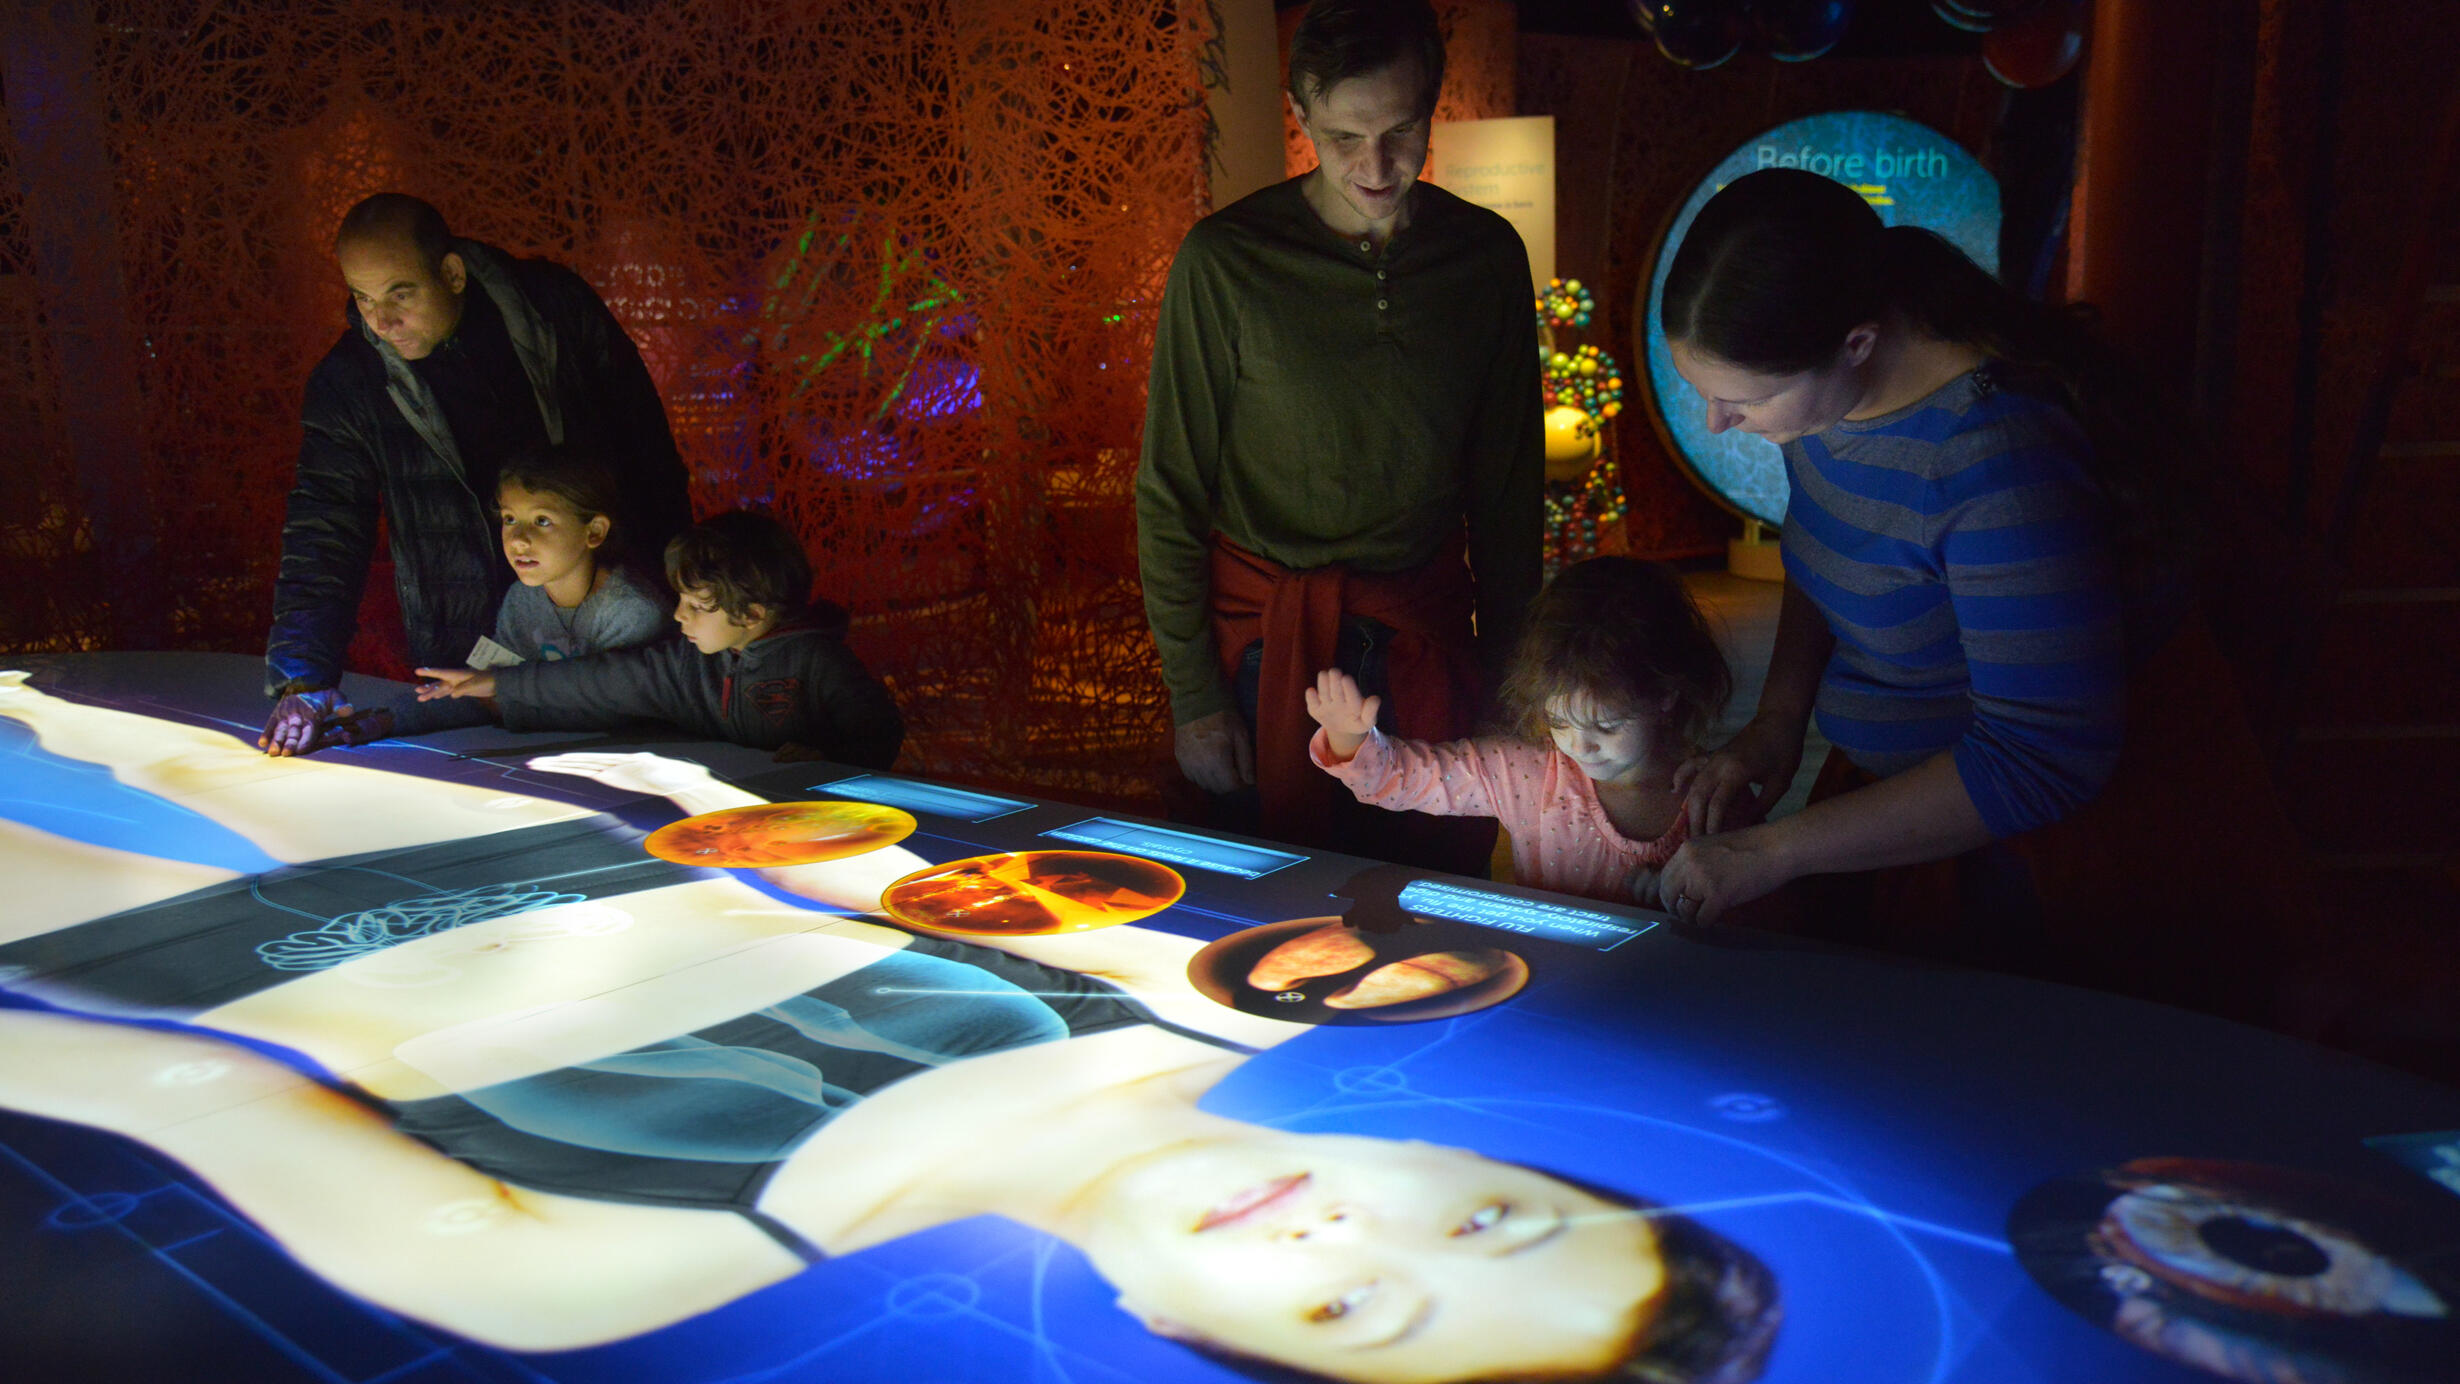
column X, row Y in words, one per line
column 892, row 264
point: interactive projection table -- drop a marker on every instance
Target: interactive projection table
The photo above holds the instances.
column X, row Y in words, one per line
column 496, row 1057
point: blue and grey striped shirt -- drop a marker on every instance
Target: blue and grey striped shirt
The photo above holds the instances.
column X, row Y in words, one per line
column 1961, row 553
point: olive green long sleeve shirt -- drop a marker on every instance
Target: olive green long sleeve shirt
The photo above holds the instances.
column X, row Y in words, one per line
column 1318, row 399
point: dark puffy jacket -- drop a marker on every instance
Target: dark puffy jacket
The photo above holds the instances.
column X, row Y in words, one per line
column 798, row 684
column 377, row 443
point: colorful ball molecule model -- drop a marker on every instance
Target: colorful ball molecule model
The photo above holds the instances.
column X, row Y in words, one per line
column 1579, row 515
column 1586, row 378
column 1583, row 389
column 1565, row 304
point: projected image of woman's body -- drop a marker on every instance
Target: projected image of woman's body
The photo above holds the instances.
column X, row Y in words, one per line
column 573, row 1093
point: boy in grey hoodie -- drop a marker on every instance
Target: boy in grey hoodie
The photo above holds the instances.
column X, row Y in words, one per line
column 765, row 665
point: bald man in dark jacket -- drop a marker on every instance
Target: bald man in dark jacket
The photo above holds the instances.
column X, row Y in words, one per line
column 457, row 356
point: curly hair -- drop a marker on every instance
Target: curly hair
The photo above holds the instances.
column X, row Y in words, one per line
column 743, row 558
column 1624, row 631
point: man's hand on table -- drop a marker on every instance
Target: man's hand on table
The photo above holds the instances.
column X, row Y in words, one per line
column 297, row 725
column 354, row 728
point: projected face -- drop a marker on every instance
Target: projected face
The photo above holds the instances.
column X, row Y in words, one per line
column 413, row 305
column 1371, row 1260
column 547, row 542
column 1370, row 136
column 1610, row 741
column 1780, row 408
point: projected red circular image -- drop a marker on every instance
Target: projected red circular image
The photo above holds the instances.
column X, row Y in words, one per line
column 1322, row 971
column 1021, row 892
column 780, row 834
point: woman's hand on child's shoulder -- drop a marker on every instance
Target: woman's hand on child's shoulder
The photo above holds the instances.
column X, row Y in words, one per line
column 1735, row 786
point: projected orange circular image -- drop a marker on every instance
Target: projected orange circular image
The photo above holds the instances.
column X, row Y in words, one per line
column 1022, row 892
column 780, row 834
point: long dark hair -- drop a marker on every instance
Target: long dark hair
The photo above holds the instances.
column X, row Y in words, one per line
column 1779, row 266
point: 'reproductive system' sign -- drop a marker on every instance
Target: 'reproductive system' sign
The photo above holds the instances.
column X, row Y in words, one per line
column 1507, row 167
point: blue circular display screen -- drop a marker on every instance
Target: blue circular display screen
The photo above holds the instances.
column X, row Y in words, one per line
column 1910, row 173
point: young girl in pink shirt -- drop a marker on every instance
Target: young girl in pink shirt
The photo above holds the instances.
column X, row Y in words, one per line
column 1614, row 682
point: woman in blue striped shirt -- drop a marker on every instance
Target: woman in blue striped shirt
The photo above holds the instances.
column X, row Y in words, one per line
column 1962, row 493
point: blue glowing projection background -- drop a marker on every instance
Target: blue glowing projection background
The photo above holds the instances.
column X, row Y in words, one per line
column 584, row 1115
column 1911, row 174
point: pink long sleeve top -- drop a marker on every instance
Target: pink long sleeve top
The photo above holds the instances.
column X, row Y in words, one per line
column 1561, row 837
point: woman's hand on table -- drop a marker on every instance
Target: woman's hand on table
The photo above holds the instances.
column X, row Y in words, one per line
column 1709, row 875
column 1735, row 785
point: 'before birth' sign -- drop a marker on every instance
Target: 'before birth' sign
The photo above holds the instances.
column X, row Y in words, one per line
column 1910, row 174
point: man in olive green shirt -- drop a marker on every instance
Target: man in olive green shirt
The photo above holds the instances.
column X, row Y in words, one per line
column 1345, row 378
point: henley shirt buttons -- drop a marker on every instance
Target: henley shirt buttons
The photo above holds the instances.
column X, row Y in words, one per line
column 1381, row 303
column 1379, row 273
column 1366, row 247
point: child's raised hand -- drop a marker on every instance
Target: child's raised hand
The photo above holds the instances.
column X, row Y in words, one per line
column 455, row 682
column 1346, row 716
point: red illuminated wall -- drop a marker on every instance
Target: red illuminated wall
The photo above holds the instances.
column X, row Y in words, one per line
column 892, row 264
